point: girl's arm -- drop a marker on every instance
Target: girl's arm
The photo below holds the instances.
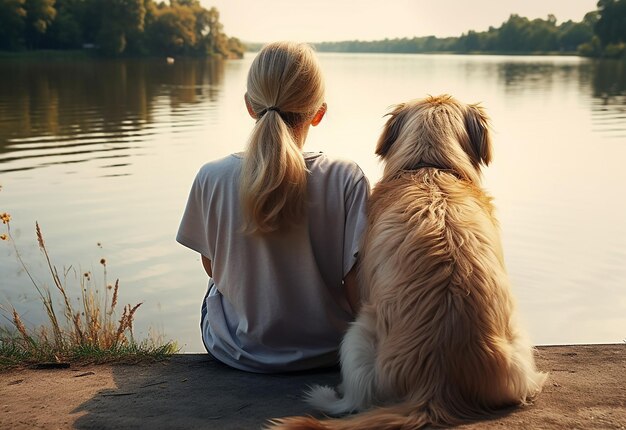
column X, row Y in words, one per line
column 207, row 265
column 352, row 290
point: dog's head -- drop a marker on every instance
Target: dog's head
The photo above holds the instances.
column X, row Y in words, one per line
column 436, row 131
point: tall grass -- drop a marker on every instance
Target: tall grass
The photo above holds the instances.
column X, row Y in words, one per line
column 86, row 330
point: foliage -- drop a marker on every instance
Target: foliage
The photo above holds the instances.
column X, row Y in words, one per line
column 600, row 33
column 573, row 34
column 404, row 45
column 516, row 35
column 12, row 14
column 85, row 332
column 39, row 15
column 611, row 27
column 173, row 30
column 65, row 31
column 119, row 20
column 592, row 48
column 185, row 27
column 116, row 27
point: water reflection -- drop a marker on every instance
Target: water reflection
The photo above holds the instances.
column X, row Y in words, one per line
column 604, row 79
column 103, row 109
column 609, row 92
column 87, row 109
column 609, row 79
column 525, row 76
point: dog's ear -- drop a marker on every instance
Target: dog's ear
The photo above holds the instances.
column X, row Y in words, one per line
column 477, row 125
column 391, row 131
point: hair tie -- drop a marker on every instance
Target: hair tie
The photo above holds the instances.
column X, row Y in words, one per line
column 274, row 108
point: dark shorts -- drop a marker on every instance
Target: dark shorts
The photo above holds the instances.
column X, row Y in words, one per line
column 203, row 313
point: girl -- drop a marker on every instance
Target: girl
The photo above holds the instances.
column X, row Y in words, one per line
column 278, row 229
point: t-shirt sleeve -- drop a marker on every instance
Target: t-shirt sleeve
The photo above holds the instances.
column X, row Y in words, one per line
column 356, row 222
column 192, row 231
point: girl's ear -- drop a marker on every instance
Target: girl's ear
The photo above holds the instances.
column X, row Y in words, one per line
column 319, row 115
column 391, row 132
column 249, row 106
column 477, row 125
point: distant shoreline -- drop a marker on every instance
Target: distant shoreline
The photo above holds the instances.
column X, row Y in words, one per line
column 85, row 54
column 82, row 54
column 492, row 53
column 321, row 48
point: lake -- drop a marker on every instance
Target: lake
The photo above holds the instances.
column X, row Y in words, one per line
column 102, row 154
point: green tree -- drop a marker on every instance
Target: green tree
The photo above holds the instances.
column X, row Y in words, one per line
column 66, row 31
column 119, row 20
column 235, row 47
column 573, row 34
column 541, row 35
column 90, row 18
column 207, row 26
column 184, row 27
column 511, row 34
column 39, row 16
column 592, row 48
column 12, row 14
column 591, row 18
column 469, row 42
column 611, row 25
column 172, row 30
column 217, row 40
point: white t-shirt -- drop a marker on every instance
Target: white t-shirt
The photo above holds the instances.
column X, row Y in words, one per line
column 278, row 303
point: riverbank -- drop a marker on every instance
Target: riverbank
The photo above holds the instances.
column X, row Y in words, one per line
column 252, row 48
column 586, row 390
column 92, row 54
column 50, row 54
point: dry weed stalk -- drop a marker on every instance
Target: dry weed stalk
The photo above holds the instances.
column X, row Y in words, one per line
column 93, row 326
column 114, row 300
column 19, row 325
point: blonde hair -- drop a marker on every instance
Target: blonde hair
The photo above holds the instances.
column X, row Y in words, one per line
column 285, row 89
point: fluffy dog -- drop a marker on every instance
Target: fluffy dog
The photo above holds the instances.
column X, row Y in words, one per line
column 436, row 341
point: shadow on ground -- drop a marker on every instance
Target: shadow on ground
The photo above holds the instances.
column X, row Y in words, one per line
column 194, row 391
column 586, row 389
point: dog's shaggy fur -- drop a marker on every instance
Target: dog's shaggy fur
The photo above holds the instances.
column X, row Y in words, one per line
column 436, row 341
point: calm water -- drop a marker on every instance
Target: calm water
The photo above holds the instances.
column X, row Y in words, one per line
column 104, row 153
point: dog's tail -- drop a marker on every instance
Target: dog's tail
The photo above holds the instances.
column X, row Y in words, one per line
column 403, row 416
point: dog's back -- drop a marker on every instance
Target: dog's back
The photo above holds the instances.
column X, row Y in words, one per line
column 433, row 265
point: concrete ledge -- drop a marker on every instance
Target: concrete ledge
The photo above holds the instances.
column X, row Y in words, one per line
column 586, row 390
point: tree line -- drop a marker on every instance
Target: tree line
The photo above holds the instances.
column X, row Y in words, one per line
column 601, row 33
column 116, row 27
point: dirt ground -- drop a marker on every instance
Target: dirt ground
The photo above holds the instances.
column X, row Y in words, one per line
column 586, row 389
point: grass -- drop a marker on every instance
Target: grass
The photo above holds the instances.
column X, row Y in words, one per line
column 86, row 330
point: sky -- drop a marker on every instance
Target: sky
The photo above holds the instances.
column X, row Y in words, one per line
column 334, row 20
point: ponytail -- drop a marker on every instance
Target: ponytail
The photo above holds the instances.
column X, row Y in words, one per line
column 285, row 90
column 274, row 177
